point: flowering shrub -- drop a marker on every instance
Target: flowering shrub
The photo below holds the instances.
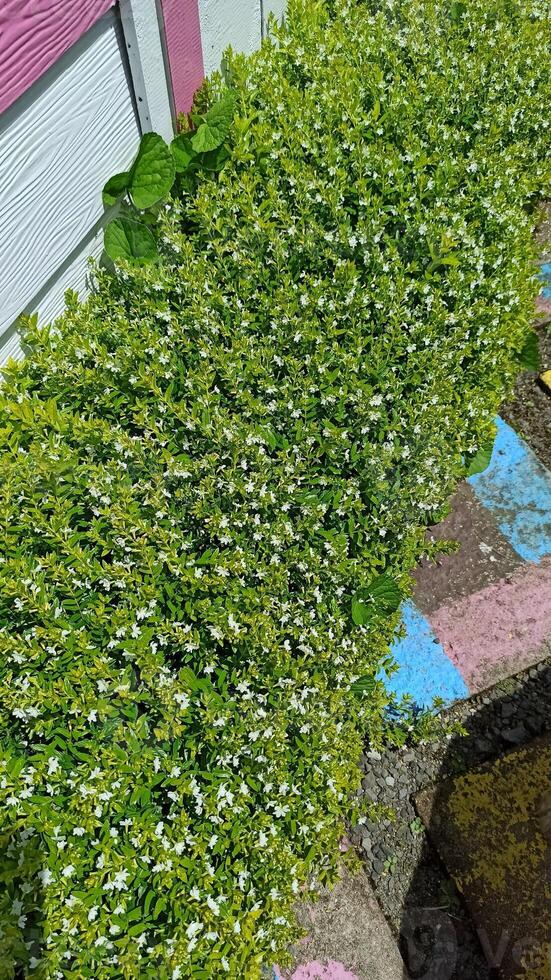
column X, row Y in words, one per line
column 216, row 474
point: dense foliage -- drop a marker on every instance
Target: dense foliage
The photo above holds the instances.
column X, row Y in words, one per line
column 204, row 463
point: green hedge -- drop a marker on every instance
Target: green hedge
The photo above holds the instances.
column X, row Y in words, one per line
column 205, row 462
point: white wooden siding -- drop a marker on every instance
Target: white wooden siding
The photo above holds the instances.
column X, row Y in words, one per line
column 58, row 145
column 228, row 22
column 275, row 7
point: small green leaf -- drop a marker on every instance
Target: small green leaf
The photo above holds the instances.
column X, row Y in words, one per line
column 187, row 677
column 182, row 152
column 381, row 597
column 441, row 260
column 213, row 131
column 386, row 593
column 364, row 684
column 215, row 160
column 530, row 354
column 457, row 10
column 115, row 188
column 481, row 459
column 152, row 175
column 361, row 612
column 130, row 240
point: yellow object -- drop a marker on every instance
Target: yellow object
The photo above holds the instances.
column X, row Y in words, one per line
column 545, row 380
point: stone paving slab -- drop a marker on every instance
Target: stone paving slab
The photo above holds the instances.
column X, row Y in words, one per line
column 348, row 937
column 483, row 613
column 484, row 555
column 516, row 488
column 499, row 630
column 492, row 828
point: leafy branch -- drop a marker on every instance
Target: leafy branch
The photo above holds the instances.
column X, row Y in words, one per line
column 141, row 191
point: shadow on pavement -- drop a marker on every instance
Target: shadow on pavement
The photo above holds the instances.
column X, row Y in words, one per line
column 489, row 822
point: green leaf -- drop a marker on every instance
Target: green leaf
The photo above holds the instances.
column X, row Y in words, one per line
column 182, row 152
column 457, row 10
column 130, row 240
column 440, row 260
column 481, row 459
column 152, row 175
column 115, row 188
column 364, row 684
column 213, row 131
column 187, row 676
column 215, row 160
column 381, row 597
column 530, row 353
column 149, row 899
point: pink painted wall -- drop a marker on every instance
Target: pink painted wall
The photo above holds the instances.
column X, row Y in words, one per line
column 34, row 34
column 185, row 52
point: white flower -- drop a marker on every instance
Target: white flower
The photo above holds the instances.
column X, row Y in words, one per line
column 193, row 929
column 182, row 700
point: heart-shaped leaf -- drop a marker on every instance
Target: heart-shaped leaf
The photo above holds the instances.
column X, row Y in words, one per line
column 130, row 240
column 182, row 152
column 530, row 354
column 152, row 175
column 381, row 597
column 115, row 188
column 216, row 126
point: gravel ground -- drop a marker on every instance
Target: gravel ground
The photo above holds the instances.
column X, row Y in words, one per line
column 413, row 888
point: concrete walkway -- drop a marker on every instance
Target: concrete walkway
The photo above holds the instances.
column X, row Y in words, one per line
column 348, row 937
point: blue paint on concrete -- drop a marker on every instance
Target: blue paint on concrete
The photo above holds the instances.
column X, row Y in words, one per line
column 516, row 488
column 425, row 672
column 545, row 276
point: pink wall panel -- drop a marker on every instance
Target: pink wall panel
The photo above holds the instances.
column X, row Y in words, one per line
column 34, row 34
column 185, row 53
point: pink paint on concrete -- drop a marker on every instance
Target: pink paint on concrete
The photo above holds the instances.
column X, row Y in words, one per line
column 34, row 34
column 185, row 52
column 318, row 971
column 499, row 630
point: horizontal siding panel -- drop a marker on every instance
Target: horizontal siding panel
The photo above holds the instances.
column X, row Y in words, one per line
column 49, row 303
column 55, row 155
column 34, row 34
column 229, row 22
